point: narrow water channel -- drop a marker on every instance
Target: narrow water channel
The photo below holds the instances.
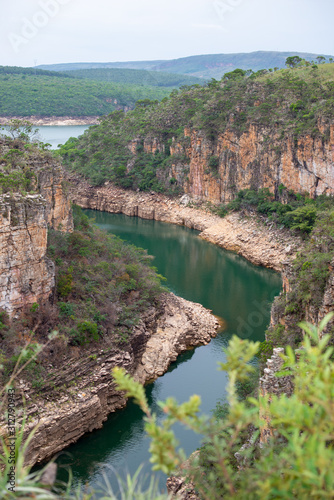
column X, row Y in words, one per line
column 231, row 287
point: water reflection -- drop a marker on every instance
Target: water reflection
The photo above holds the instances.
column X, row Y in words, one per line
column 227, row 284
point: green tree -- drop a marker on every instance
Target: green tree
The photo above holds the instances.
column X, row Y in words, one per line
column 21, row 129
column 293, row 61
column 321, row 59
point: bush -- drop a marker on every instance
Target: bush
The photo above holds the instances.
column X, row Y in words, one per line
column 294, row 461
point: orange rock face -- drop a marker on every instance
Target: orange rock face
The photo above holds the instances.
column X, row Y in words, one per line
column 26, row 274
column 256, row 159
column 53, row 188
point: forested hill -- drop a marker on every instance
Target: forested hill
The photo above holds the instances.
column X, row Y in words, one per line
column 31, row 92
column 271, row 111
column 135, row 77
column 203, row 66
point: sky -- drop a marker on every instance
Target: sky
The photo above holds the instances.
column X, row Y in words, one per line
column 34, row 32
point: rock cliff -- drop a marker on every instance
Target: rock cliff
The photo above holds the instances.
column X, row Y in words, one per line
column 258, row 158
column 78, row 397
column 244, row 234
column 26, row 275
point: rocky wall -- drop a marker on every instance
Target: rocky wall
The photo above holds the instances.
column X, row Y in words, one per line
column 256, row 158
column 26, row 274
column 77, row 397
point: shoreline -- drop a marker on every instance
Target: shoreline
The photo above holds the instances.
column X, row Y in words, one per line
column 256, row 239
column 80, row 394
column 59, row 121
column 90, row 396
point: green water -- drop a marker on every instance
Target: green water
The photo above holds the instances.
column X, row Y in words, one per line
column 227, row 284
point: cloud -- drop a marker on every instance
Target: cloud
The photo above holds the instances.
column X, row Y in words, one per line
column 109, row 30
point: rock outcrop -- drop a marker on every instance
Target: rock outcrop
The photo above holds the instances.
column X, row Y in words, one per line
column 271, row 385
column 26, row 274
column 256, row 158
column 78, row 397
column 249, row 236
column 182, row 325
column 52, row 185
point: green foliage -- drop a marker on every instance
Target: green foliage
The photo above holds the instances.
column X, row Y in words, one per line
column 103, row 284
column 65, row 285
column 21, row 157
column 296, row 212
column 135, row 77
column 66, row 308
column 303, row 218
column 213, row 164
column 265, row 351
column 309, row 277
column 61, row 95
column 295, row 462
column 293, row 61
column 289, row 103
column 84, row 333
column 235, row 74
column 34, row 307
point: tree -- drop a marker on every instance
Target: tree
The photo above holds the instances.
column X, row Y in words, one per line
column 321, row 59
column 293, row 61
column 235, row 74
column 21, row 129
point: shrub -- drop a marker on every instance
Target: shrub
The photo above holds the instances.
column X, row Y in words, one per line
column 294, row 461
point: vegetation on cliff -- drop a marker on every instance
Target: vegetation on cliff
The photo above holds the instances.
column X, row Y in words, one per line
column 298, row 212
column 309, row 276
column 103, row 285
column 289, row 103
column 19, row 159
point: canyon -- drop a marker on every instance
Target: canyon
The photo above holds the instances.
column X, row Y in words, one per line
column 256, row 239
column 78, row 396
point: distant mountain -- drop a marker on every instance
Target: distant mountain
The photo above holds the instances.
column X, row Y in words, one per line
column 203, row 66
column 135, row 77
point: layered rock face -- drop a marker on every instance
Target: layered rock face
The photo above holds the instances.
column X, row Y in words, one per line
column 258, row 158
column 51, row 184
column 263, row 245
column 78, row 397
column 313, row 313
column 26, row 275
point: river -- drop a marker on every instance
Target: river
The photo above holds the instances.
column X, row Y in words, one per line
column 231, row 287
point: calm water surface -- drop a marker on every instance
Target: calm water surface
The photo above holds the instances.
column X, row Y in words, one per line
column 227, row 284
column 57, row 134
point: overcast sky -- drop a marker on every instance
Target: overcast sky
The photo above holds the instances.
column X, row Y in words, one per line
column 54, row 31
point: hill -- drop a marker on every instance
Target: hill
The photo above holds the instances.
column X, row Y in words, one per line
column 28, row 92
column 135, row 77
column 211, row 141
column 201, row 66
